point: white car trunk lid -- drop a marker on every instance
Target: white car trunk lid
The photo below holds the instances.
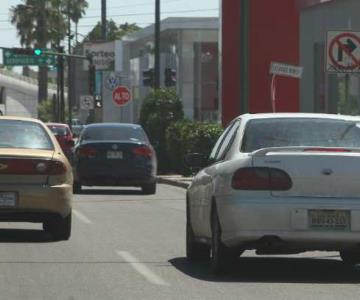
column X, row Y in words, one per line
column 314, row 173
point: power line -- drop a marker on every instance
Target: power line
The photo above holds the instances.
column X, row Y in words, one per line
column 135, row 5
column 151, row 13
column 144, row 14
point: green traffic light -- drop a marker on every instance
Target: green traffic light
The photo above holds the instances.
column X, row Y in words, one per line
column 37, row 52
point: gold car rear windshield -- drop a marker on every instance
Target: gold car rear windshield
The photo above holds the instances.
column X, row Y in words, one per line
column 24, row 135
column 285, row 132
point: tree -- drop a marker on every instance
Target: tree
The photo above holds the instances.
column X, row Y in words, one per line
column 40, row 23
column 76, row 10
column 160, row 109
column 114, row 32
column 34, row 21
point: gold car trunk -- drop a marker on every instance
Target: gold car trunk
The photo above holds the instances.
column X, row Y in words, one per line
column 19, row 166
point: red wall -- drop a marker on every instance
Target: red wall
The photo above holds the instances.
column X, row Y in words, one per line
column 273, row 36
column 230, row 60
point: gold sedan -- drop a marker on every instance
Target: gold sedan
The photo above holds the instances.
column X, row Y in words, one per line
column 35, row 177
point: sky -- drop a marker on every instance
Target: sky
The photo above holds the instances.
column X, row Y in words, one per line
column 121, row 11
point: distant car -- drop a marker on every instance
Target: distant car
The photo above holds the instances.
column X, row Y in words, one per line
column 115, row 154
column 64, row 136
column 279, row 184
column 76, row 127
column 35, row 177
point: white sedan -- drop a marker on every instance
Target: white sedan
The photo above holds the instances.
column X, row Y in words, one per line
column 280, row 184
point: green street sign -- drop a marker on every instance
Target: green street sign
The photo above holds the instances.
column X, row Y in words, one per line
column 11, row 59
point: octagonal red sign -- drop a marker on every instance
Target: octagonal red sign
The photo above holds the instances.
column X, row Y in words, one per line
column 121, row 95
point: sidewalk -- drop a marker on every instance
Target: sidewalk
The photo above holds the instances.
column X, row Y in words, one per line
column 175, row 180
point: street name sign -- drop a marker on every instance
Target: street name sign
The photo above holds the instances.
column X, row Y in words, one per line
column 286, row 70
column 11, row 59
column 343, row 52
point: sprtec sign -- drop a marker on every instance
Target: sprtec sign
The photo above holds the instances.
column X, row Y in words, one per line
column 103, row 55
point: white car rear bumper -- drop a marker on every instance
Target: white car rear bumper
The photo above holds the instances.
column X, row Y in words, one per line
column 286, row 219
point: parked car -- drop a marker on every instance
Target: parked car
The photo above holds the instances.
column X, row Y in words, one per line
column 76, row 127
column 279, row 184
column 64, row 136
column 35, row 176
column 115, row 154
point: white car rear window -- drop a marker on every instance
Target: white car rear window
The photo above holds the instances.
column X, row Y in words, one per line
column 284, row 132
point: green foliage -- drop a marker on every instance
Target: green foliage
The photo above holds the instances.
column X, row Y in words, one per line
column 160, row 109
column 187, row 136
column 349, row 106
column 46, row 111
column 114, row 32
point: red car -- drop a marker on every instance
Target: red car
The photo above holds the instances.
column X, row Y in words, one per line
column 64, row 136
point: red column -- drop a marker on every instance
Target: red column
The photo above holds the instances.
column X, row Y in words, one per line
column 274, row 36
column 230, row 66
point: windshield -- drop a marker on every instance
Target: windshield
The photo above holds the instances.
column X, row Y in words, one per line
column 114, row 133
column 265, row 133
column 23, row 134
column 59, row 131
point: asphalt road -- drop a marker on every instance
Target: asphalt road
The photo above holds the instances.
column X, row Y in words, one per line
column 129, row 246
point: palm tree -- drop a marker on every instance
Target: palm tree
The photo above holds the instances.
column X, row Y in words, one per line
column 35, row 21
column 76, row 9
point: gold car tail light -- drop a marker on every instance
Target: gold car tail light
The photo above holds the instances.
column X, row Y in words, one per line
column 31, row 167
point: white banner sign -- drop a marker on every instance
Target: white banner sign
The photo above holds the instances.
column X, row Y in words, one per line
column 103, row 55
column 286, row 70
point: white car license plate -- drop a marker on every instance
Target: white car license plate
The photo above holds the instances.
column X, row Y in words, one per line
column 114, row 155
column 329, row 219
column 8, row 199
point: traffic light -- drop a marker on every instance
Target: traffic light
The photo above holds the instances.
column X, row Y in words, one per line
column 37, row 51
column 98, row 101
column 148, row 77
column 26, row 51
column 92, row 75
column 170, row 77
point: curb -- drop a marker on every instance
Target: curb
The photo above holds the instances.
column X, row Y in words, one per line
column 172, row 182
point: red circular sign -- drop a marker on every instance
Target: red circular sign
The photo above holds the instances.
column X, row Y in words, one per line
column 337, row 44
column 121, row 95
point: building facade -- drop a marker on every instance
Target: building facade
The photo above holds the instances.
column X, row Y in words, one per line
column 189, row 47
column 255, row 33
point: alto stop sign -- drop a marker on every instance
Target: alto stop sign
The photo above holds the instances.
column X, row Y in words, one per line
column 121, row 95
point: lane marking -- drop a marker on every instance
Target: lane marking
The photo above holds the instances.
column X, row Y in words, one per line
column 141, row 268
column 81, row 216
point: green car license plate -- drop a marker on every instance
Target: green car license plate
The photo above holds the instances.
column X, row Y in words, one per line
column 329, row 219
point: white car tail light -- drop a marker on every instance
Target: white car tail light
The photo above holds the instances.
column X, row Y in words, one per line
column 260, row 179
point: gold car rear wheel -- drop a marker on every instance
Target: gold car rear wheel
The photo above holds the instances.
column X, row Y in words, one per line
column 59, row 228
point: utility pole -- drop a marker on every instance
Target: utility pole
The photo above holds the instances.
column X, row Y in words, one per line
column 103, row 20
column 69, row 60
column 157, row 45
column 42, row 76
column 61, row 107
